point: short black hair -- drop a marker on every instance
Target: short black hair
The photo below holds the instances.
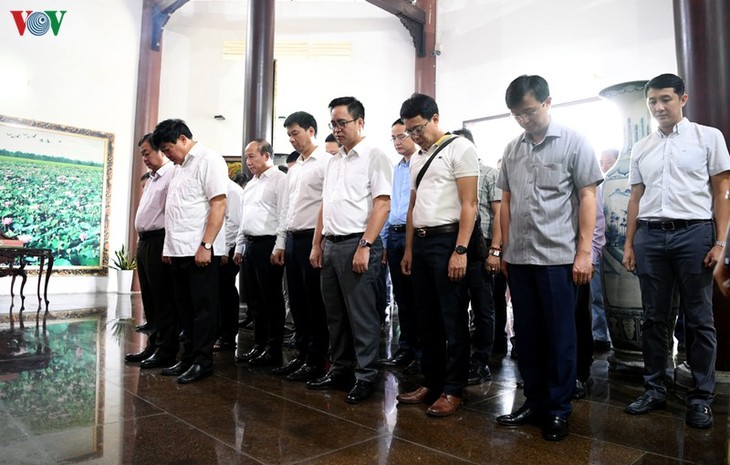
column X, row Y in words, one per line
column 465, row 133
column 303, row 119
column 170, row 131
column 354, row 107
column 524, row 84
column 331, row 138
column 666, row 80
column 419, row 104
column 292, row 157
column 146, row 138
column 398, row 121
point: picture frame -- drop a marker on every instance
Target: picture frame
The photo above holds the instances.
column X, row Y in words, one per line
column 55, row 191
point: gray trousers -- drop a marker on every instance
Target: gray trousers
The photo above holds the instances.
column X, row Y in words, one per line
column 665, row 259
column 350, row 302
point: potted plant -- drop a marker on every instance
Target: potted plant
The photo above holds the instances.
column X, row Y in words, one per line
column 125, row 265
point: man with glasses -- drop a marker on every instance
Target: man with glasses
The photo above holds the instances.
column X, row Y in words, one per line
column 347, row 247
column 441, row 217
column 394, row 241
column 548, row 179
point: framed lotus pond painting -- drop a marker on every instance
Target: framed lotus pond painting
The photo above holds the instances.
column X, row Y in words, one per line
column 55, row 186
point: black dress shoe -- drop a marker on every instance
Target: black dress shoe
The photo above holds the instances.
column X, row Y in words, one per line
column 580, row 390
column 555, row 429
column 293, row 365
column 139, row 356
column 305, row 372
column 362, row 390
column 479, row 375
column 196, row 372
column 402, row 357
column 645, row 404
column 266, row 358
column 699, row 416
column 332, row 381
column 143, row 328
column 253, row 353
column 176, row 370
column 157, row 361
column 522, row 416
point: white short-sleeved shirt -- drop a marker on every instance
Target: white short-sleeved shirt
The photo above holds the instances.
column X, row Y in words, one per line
column 234, row 202
column 437, row 197
column 151, row 210
column 263, row 203
column 202, row 176
column 304, row 191
column 676, row 170
column 351, row 182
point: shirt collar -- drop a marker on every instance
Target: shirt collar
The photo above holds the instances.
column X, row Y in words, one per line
column 161, row 170
column 677, row 129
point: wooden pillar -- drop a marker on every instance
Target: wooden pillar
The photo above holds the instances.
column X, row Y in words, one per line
column 702, row 35
column 426, row 65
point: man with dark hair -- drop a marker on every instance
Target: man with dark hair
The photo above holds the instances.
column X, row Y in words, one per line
column 303, row 200
column 679, row 175
column 548, row 180
column 394, row 241
column 355, row 202
column 441, row 218
column 260, row 236
column 331, row 145
column 194, row 242
column 154, row 275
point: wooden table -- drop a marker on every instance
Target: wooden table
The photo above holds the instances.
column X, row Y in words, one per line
column 13, row 262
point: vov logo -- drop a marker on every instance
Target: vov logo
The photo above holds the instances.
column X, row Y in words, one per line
column 38, row 22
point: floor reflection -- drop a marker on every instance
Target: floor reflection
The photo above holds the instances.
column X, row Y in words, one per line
column 66, row 396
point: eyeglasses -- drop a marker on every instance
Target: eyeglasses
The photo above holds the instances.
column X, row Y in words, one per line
column 339, row 124
column 400, row 137
column 417, row 130
column 527, row 114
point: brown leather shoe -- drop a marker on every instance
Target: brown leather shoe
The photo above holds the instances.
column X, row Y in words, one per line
column 414, row 397
column 444, row 406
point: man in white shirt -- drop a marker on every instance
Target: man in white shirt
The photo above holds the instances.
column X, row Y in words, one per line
column 263, row 203
column 194, row 242
column 355, row 203
column 154, row 276
column 303, row 200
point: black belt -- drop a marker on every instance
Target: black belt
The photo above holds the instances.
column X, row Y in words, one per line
column 670, row 225
column 398, row 228
column 437, row 230
column 259, row 238
column 148, row 234
column 300, row 233
column 335, row 238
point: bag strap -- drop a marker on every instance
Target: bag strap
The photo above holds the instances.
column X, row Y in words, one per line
column 428, row 162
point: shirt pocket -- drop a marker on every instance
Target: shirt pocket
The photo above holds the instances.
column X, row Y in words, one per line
column 550, row 176
column 691, row 160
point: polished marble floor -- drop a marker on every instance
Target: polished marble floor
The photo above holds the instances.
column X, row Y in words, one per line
column 66, row 396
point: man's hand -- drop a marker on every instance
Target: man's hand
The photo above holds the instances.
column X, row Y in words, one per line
column 457, row 266
column 224, row 260
column 493, row 264
column 722, row 278
column 714, row 256
column 405, row 263
column 629, row 261
column 277, row 258
column 203, row 256
column 315, row 256
column 166, row 260
column 384, row 258
column 237, row 258
column 582, row 268
column 361, row 259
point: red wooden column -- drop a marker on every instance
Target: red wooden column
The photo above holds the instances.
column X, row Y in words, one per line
column 426, row 64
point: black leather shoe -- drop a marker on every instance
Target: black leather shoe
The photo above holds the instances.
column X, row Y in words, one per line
column 266, row 358
column 332, row 381
column 305, row 372
column 524, row 415
column 360, row 392
column 580, row 390
column 293, row 365
column 645, row 404
column 196, row 372
column 253, row 353
column 157, row 361
column 413, row 368
column 139, row 356
column 402, row 357
column 176, row 370
column 143, row 328
column 555, row 429
column 479, row 375
column 699, row 416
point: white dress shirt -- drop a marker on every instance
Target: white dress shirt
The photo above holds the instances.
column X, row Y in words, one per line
column 151, row 210
column 234, row 205
column 263, row 202
column 304, row 191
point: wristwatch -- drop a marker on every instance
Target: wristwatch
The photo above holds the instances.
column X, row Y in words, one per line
column 460, row 249
column 364, row 243
column 207, row 245
column 495, row 253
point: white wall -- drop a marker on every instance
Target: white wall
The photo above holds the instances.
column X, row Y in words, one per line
column 85, row 77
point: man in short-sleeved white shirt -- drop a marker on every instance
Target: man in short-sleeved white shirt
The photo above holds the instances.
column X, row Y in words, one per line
column 194, row 242
column 355, row 204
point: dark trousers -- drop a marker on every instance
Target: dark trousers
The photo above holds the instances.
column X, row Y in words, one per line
column 479, row 283
column 499, row 296
column 403, row 294
column 196, row 295
column 665, row 259
column 305, row 300
column 584, row 332
column 350, row 301
column 443, row 317
column 264, row 292
column 229, row 299
column 156, row 284
column 543, row 298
